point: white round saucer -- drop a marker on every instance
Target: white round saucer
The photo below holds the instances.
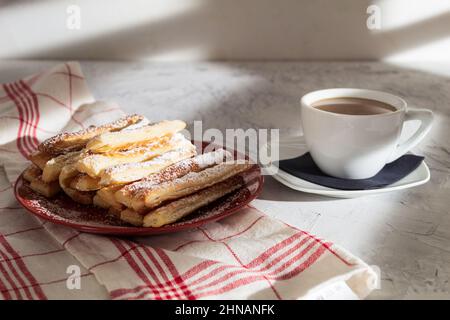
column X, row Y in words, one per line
column 292, row 147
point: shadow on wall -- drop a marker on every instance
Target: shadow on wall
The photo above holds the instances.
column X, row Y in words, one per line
column 251, row 29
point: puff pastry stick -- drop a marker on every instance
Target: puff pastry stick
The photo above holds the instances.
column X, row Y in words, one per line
column 180, row 208
column 132, row 195
column 46, row 189
column 129, row 172
column 115, row 211
column 114, row 140
column 192, row 182
column 105, row 197
column 31, row 173
column 94, row 164
column 100, row 202
column 70, row 141
column 53, row 167
column 132, row 217
column 67, row 174
column 40, row 158
column 83, row 182
column 79, row 196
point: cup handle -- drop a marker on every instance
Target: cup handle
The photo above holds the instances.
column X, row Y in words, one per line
column 426, row 118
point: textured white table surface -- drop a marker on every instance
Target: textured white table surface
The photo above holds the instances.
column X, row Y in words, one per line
column 406, row 233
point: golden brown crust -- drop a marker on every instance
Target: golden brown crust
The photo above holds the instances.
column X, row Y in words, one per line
column 34, row 176
column 129, row 172
column 100, row 166
column 53, row 167
column 94, row 164
column 83, row 182
column 100, row 202
column 132, row 195
column 40, row 158
column 31, row 173
column 105, row 196
column 46, row 189
column 71, row 141
column 114, row 140
column 180, row 208
column 68, row 173
column 192, row 182
column 115, row 211
column 132, row 217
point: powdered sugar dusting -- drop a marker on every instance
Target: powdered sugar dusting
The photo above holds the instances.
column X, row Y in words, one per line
column 49, row 144
column 134, row 155
column 62, row 208
column 224, row 169
column 234, row 199
column 144, row 122
column 175, row 171
column 184, row 148
column 179, row 169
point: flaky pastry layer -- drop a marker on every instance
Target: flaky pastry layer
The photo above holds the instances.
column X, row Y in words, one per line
column 192, row 182
column 180, row 208
column 94, row 164
column 129, row 172
column 114, row 140
column 70, row 141
column 132, row 195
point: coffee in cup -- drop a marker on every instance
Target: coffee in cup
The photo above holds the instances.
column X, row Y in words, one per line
column 353, row 106
column 354, row 133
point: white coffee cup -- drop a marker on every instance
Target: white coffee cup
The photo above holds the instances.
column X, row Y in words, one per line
column 358, row 146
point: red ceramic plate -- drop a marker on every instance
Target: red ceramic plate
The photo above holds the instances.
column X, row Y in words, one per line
column 64, row 211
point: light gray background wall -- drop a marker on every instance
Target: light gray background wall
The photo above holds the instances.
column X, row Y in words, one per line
column 226, row 29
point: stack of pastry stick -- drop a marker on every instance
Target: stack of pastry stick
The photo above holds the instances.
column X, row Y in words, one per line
column 146, row 174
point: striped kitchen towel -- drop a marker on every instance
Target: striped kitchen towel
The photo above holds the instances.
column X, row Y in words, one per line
column 246, row 256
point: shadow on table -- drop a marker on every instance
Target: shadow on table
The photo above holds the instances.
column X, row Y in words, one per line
column 198, row 29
